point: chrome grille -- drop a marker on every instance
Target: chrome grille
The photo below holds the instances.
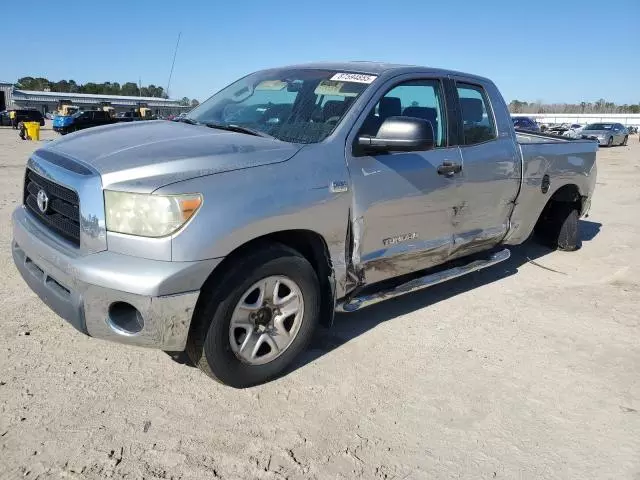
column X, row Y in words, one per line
column 62, row 214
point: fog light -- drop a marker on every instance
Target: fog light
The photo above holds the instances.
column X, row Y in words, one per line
column 125, row 318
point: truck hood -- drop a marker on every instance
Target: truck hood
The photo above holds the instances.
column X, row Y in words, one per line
column 144, row 156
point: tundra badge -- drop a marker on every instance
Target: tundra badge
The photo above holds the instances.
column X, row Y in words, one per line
column 400, row 238
column 339, row 187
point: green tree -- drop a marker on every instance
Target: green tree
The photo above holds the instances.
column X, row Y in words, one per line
column 130, row 89
column 105, row 88
column 195, row 103
column 516, row 106
column 91, row 87
column 25, row 83
column 185, row 101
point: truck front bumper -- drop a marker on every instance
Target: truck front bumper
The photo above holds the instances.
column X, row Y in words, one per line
column 108, row 295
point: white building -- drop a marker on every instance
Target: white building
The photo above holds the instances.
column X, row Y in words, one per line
column 48, row 101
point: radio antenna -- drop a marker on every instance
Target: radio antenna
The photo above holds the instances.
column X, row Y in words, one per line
column 175, row 52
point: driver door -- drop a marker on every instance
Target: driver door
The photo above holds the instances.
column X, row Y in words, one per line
column 402, row 206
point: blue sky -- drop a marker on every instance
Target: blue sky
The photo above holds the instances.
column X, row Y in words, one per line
column 550, row 50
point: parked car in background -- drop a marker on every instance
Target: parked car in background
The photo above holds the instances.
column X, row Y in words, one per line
column 558, row 129
column 525, row 123
column 235, row 232
column 575, row 131
column 81, row 120
column 608, row 134
column 22, row 115
column 125, row 116
column 130, row 116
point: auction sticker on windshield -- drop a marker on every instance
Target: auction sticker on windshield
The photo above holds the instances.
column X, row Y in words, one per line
column 271, row 85
column 354, row 77
column 328, row 87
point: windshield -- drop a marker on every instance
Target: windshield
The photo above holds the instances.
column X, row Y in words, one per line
column 599, row 126
column 293, row 105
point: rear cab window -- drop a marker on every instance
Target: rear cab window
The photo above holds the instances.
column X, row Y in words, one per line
column 478, row 124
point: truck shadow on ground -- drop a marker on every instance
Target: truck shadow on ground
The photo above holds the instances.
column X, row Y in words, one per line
column 347, row 327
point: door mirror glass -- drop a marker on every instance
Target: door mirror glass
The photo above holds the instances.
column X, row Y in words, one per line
column 400, row 134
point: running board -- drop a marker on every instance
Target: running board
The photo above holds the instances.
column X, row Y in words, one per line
column 356, row 303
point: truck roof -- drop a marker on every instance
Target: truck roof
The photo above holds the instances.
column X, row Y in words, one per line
column 380, row 68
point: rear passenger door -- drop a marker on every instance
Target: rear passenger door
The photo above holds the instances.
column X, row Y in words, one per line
column 401, row 213
column 491, row 169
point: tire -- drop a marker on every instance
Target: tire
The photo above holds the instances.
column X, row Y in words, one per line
column 559, row 228
column 624, row 142
column 610, row 142
column 210, row 341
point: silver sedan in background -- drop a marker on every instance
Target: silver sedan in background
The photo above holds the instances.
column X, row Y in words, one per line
column 608, row 134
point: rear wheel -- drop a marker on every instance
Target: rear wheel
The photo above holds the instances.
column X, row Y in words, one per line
column 558, row 227
column 624, row 142
column 257, row 318
column 610, row 142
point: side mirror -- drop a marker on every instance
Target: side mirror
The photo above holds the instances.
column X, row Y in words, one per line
column 400, row 134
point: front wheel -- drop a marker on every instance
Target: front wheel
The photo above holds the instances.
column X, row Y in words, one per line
column 255, row 320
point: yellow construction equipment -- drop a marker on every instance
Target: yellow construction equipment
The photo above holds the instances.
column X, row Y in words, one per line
column 66, row 107
column 144, row 110
column 106, row 107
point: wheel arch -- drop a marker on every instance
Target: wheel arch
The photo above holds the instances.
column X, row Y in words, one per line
column 310, row 244
column 567, row 193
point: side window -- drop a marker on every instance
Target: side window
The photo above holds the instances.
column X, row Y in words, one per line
column 477, row 119
column 417, row 98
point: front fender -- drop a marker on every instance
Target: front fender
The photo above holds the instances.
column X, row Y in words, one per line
column 242, row 205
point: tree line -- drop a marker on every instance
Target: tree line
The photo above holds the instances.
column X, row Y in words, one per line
column 130, row 89
column 600, row 106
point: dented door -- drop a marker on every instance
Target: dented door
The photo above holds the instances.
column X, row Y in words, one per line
column 491, row 170
column 401, row 213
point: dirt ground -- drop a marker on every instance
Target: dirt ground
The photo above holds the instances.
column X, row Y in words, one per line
column 529, row 370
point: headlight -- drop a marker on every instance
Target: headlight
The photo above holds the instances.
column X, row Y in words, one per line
column 148, row 215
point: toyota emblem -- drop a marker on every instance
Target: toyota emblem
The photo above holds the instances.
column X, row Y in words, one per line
column 43, row 201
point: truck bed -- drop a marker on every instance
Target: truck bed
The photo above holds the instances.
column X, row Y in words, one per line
column 564, row 161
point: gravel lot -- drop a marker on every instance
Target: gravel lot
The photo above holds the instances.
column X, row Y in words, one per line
column 524, row 371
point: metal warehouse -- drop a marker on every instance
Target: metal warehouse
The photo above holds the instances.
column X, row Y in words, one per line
column 5, row 95
column 48, row 101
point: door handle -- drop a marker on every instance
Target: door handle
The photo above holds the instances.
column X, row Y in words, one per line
column 449, row 168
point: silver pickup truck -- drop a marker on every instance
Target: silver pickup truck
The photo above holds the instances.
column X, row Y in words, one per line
column 290, row 194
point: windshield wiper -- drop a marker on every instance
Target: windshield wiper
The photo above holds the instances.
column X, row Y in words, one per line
column 238, row 129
